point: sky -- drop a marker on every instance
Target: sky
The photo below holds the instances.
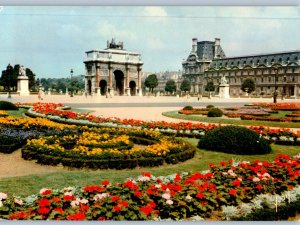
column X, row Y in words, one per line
column 52, row 40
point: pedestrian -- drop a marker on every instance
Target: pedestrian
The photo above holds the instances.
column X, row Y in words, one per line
column 85, row 93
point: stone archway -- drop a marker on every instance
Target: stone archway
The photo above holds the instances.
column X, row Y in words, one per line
column 103, row 87
column 119, row 82
column 89, row 87
column 132, row 86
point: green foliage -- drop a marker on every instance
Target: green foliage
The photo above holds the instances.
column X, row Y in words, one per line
column 185, row 85
column 210, row 106
column 188, row 107
column 248, row 85
column 215, row 112
column 170, row 86
column 9, row 77
column 151, row 82
column 234, row 139
column 210, row 86
column 4, row 105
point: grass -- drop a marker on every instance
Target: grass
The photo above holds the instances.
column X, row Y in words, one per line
column 27, row 185
column 17, row 113
column 222, row 120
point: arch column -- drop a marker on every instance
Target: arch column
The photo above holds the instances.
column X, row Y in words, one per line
column 140, row 81
column 98, row 79
column 127, row 81
column 111, row 89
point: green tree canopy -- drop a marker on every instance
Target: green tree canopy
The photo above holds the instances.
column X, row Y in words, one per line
column 170, row 86
column 248, row 85
column 210, row 86
column 151, row 82
column 185, row 85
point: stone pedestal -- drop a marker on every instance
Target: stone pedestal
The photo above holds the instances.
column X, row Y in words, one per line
column 67, row 92
column 23, row 86
column 224, row 91
column 98, row 91
column 128, row 91
column 140, row 92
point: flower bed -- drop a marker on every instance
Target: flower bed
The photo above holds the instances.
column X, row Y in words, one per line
column 104, row 148
column 3, row 113
column 177, row 197
column 187, row 129
column 273, row 119
column 279, row 106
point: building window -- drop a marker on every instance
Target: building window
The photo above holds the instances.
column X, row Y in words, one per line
column 269, row 79
column 288, row 59
column 284, row 79
column 296, row 58
column 262, row 79
column 265, row 61
column 280, row 60
column 257, row 62
column 293, row 78
column 272, row 61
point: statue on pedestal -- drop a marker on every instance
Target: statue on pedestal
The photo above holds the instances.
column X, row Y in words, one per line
column 223, row 80
column 22, row 71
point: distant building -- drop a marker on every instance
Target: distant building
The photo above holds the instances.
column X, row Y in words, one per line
column 113, row 70
column 163, row 77
column 208, row 62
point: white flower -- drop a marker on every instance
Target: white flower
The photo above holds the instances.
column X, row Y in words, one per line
column 18, row 201
column 166, row 196
column 75, row 203
column 84, row 201
column 98, row 197
column 158, row 186
column 69, row 193
column 1, row 204
column 188, row 197
column 3, row 196
column 144, row 178
column 255, row 179
column 169, row 202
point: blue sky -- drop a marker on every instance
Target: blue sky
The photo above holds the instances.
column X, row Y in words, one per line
column 53, row 39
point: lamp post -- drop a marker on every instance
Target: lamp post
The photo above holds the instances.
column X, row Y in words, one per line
column 9, row 74
column 275, row 85
column 71, row 83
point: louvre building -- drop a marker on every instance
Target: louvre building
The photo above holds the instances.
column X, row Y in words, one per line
column 208, row 62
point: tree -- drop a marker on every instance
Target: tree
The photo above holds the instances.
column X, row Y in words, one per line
column 170, row 86
column 151, row 82
column 209, row 87
column 185, row 85
column 248, row 85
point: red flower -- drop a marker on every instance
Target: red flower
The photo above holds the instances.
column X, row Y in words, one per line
column 117, row 208
column 177, row 178
column 60, row 210
column 56, row 199
column 211, row 165
column 84, row 207
column 232, row 192
column 76, row 216
column 115, row 198
column 43, row 211
column 200, row 195
column 44, row 202
column 138, row 194
column 124, row 204
column 146, row 174
column 93, row 188
column 146, row 210
column 68, row 198
column 222, row 163
column 47, row 192
column 236, row 183
column 152, row 204
column 105, row 182
column 259, row 187
column 149, row 192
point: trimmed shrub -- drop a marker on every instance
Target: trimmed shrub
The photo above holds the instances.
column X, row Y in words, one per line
column 188, row 107
column 236, row 140
column 210, row 106
column 215, row 112
column 4, row 105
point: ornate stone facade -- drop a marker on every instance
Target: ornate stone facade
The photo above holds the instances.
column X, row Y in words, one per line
column 207, row 62
column 113, row 71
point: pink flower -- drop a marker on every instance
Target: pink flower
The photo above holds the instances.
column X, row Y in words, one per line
column 166, row 196
column 255, row 179
column 169, row 202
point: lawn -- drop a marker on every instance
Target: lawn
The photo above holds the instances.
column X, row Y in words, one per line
column 17, row 113
column 223, row 120
column 27, row 185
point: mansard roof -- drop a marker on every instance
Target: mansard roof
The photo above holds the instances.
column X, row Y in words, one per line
column 282, row 58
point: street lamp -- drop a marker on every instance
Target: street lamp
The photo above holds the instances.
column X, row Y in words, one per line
column 275, row 85
column 71, row 83
column 9, row 74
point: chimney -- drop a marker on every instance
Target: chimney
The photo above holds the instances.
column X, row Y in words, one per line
column 217, row 46
column 194, row 44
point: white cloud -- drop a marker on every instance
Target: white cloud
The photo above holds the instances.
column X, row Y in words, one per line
column 108, row 30
column 154, row 11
